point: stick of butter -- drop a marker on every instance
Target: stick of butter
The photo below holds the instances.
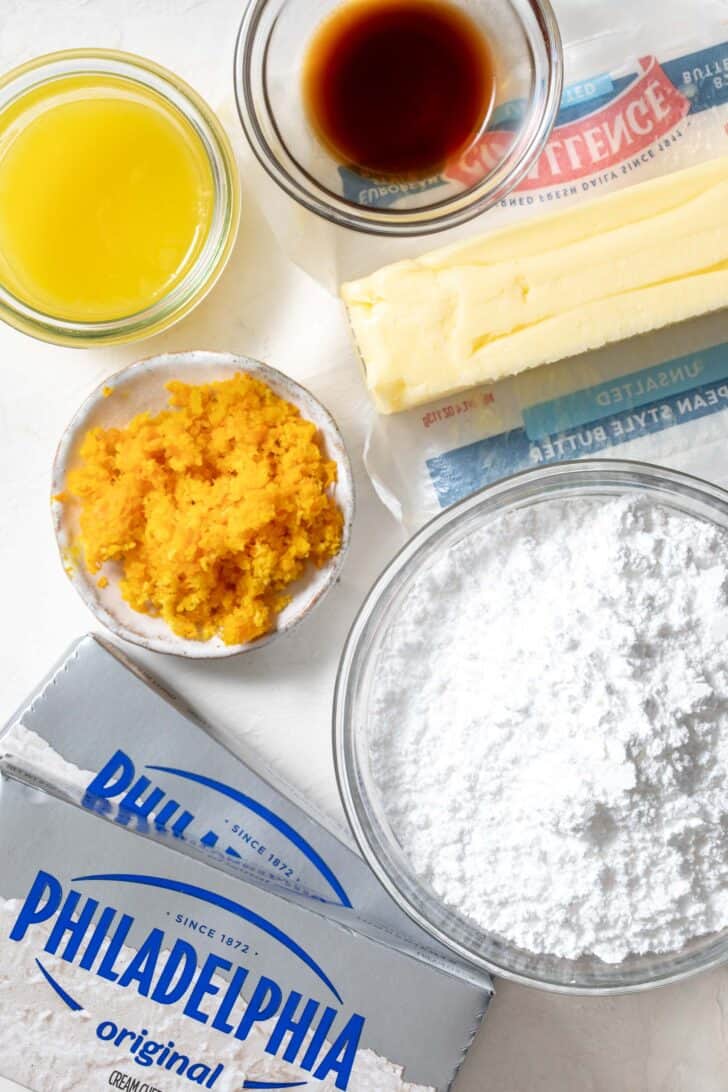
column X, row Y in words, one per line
column 478, row 311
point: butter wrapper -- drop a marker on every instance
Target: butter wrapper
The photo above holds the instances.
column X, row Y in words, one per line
column 646, row 95
column 126, row 964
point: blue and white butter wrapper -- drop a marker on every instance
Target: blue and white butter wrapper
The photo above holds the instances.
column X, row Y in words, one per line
column 661, row 398
column 642, row 99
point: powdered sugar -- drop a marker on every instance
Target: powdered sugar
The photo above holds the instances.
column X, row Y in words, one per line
column 550, row 727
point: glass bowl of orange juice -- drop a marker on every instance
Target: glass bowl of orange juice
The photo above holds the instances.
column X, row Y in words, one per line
column 119, row 197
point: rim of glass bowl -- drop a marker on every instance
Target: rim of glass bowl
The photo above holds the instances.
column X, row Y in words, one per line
column 226, row 214
column 589, row 477
column 439, row 216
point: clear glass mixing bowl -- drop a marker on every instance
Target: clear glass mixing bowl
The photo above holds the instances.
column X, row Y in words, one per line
column 272, row 43
column 587, row 478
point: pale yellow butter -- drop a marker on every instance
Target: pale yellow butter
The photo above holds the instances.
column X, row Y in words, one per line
column 475, row 312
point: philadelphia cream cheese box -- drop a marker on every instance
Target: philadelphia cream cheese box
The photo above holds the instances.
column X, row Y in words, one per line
column 144, row 870
column 101, row 733
column 125, row 961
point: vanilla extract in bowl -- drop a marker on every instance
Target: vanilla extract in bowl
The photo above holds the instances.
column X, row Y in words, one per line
column 398, row 88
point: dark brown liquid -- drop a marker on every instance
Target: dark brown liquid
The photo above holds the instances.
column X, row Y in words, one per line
column 398, row 87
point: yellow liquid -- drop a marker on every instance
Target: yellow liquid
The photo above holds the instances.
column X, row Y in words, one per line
column 106, row 198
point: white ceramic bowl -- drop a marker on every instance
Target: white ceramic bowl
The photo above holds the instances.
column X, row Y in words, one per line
column 141, row 387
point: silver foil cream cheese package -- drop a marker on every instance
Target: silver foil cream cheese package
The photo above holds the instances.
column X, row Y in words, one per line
column 122, row 960
column 100, row 733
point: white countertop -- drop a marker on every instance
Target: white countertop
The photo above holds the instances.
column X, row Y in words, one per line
column 277, row 701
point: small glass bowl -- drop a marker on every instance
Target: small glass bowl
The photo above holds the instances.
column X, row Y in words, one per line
column 272, row 42
column 588, row 478
column 226, row 212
